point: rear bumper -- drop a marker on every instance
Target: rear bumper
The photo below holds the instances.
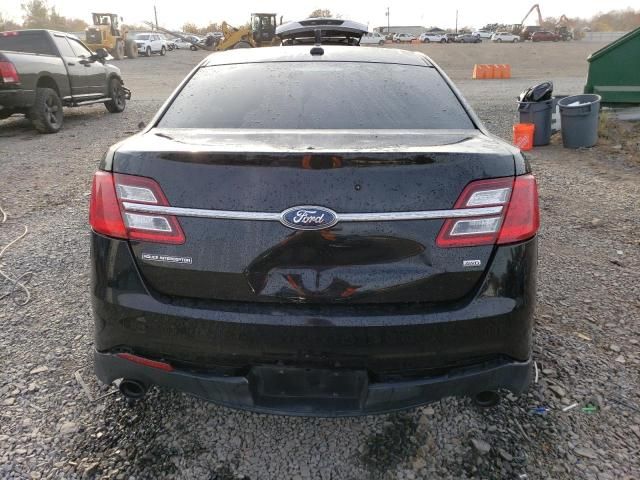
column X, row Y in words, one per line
column 409, row 354
column 16, row 99
column 369, row 398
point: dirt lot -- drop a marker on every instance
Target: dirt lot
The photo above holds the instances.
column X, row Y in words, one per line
column 586, row 338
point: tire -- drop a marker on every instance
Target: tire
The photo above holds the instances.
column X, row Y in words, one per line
column 118, row 52
column 147, row 52
column 242, row 44
column 426, row 40
column 46, row 113
column 443, row 40
column 499, row 40
column 131, row 49
column 381, row 42
column 163, row 51
column 118, row 100
column 515, row 40
column 5, row 114
column 193, row 48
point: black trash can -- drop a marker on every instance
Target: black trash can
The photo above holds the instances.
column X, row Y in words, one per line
column 580, row 117
column 538, row 113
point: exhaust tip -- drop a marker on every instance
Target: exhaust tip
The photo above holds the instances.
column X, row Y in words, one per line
column 487, row 399
column 132, row 389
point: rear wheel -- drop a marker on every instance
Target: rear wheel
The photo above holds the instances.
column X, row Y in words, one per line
column 499, row 40
column 193, row 47
column 131, row 49
column 46, row 112
column 163, row 51
column 118, row 51
column 515, row 40
column 242, row 44
column 118, row 100
column 426, row 40
column 147, row 52
column 381, row 42
column 444, row 40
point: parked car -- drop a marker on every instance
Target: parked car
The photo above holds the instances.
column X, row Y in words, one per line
column 171, row 43
column 403, row 38
column 42, row 71
column 500, row 37
column 389, row 266
column 544, row 36
column 432, row 37
column 372, row 38
column 468, row 38
column 484, row 34
column 149, row 43
column 451, row 37
column 528, row 31
column 187, row 42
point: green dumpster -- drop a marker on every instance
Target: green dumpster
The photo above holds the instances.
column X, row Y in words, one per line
column 614, row 70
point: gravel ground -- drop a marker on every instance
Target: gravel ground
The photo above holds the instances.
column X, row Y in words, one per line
column 586, row 338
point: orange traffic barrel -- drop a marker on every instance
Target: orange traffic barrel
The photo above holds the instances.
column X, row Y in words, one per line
column 480, row 71
column 523, row 135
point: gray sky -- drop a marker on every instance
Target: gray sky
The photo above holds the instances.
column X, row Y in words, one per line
column 474, row 13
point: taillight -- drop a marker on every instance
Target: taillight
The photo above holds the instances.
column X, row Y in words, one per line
column 8, row 73
column 517, row 221
column 112, row 209
column 522, row 218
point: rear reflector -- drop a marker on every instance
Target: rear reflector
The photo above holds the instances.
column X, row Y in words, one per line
column 8, row 73
column 145, row 361
column 518, row 221
column 108, row 216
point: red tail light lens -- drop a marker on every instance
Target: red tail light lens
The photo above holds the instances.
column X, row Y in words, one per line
column 522, row 219
column 112, row 211
column 518, row 220
column 8, row 73
column 104, row 210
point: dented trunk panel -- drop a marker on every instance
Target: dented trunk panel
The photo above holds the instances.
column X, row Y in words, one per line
column 347, row 172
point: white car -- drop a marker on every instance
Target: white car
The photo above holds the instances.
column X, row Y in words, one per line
column 403, row 37
column 372, row 38
column 149, row 43
column 505, row 37
column 482, row 34
column 182, row 43
column 428, row 37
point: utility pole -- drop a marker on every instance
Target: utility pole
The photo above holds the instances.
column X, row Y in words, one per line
column 388, row 21
column 155, row 12
column 456, row 22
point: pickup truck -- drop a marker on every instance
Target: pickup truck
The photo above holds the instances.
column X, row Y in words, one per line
column 42, row 71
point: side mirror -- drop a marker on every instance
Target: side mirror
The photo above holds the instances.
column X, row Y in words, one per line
column 101, row 53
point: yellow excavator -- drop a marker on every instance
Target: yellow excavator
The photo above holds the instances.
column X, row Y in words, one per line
column 106, row 32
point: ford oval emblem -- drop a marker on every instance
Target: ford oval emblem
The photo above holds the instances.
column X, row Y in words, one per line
column 308, row 217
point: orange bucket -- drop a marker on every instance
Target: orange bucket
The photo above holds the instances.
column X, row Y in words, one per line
column 523, row 135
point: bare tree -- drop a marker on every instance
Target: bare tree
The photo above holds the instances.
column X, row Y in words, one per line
column 36, row 14
column 6, row 24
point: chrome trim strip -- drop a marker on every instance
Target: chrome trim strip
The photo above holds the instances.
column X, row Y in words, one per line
column 342, row 217
column 201, row 213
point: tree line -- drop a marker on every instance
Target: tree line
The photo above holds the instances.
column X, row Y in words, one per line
column 38, row 14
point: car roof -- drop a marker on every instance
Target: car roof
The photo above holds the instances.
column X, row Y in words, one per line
column 332, row 53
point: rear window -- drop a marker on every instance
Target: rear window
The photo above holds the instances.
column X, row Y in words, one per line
column 316, row 95
column 26, row 42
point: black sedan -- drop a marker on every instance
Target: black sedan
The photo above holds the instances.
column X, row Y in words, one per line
column 315, row 230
